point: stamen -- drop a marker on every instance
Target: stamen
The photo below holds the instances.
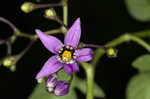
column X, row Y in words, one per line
column 66, row 55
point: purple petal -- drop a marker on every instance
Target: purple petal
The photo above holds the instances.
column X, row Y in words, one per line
column 50, row 82
column 75, row 67
column 73, row 35
column 51, row 66
column 68, row 69
column 84, row 54
column 50, row 42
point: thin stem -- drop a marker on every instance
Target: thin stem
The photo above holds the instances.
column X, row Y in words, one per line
column 3, row 41
column 140, row 42
column 145, row 33
column 9, row 50
column 65, row 14
column 48, row 5
column 118, row 41
column 94, row 46
column 61, row 22
column 9, row 23
column 54, row 31
column 34, row 37
column 26, row 35
column 26, row 49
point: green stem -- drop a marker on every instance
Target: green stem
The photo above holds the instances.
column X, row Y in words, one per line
column 90, row 70
column 90, row 79
column 118, row 41
column 34, row 37
column 140, row 42
column 54, row 31
column 65, row 14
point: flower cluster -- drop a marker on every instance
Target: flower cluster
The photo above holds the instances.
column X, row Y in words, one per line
column 59, row 88
column 66, row 57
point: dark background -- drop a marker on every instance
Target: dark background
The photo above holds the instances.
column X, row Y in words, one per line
column 102, row 21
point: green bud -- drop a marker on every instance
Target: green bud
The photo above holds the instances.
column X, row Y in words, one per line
column 50, row 13
column 28, row 7
column 111, row 52
column 7, row 62
column 13, row 68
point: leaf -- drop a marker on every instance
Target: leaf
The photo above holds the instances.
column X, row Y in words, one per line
column 142, row 63
column 81, row 85
column 139, row 9
column 40, row 93
column 139, row 87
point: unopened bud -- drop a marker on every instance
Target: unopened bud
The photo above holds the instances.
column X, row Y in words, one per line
column 13, row 68
column 8, row 61
column 28, row 7
column 51, row 82
column 111, row 52
column 50, row 14
column 62, row 88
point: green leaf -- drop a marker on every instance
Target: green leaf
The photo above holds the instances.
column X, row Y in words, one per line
column 139, row 9
column 40, row 93
column 142, row 63
column 139, row 87
column 81, row 85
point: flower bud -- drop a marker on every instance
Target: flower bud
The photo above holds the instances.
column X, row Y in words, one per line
column 28, row 7
column 8, row 61
column 50, row 14
column 62, row 88
column 111, row 52
column 51, row 82
column 13, row 68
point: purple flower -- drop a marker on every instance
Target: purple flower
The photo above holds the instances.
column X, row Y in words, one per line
column 62, row 88
column 51, row 82
column 66, row 54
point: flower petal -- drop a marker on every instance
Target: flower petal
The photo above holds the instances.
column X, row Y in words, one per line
column 73, row 35
column 51, row 66
column 50, row 42
column 84, row 54
column 68, row 69
column 75, row 67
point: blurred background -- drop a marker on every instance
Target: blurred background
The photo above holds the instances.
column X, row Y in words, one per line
column 102, row 21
